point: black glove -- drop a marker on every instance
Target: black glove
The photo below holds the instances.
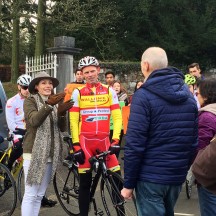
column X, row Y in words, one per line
column 79, row 156
column 114, row 148
column 20, row 131
column 17, row 143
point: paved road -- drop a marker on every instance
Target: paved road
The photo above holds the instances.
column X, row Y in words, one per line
column 184, row 207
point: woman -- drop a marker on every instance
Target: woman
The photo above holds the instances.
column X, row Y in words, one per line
column 137, row 86
column 42, row 143
column 206, row 95
column 121, row 92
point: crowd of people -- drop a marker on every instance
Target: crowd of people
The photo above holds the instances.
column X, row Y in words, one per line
column 172, row 116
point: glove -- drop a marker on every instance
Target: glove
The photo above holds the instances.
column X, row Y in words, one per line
column 114, row 148
column 63, row 107
column 55, row 98
column 20, row 131
column 79, row 155
column 17, row 143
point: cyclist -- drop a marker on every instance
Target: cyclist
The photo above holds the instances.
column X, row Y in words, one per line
column 89, row 123
column 15, row 116
column 16, row 122
column 191, row 81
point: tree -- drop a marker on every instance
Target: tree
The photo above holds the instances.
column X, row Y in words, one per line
column 40, row 32
column 15, row 42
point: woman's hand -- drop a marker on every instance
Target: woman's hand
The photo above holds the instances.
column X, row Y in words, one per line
column 63, row 107
column 55, row 98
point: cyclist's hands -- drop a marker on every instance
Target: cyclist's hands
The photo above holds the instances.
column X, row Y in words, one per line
column 17, row 143
column 79, row 155
column 19, row 131
column 55, row 98
column 114, row 148
column 64, row 106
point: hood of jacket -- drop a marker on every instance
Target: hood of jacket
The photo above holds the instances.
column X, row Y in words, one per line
column 209, row 108
column 169, row 84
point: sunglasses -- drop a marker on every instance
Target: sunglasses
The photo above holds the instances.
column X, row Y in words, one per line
column 24, row 87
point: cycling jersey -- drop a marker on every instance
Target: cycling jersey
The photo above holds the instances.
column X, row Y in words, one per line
column 15, row 113
column 90, row 121
column 90, row 115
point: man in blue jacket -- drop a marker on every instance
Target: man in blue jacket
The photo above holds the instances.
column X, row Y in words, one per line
column 161, row 138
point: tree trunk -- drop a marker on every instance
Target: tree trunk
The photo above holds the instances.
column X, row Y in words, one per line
column 15, row 50
column 40, row 33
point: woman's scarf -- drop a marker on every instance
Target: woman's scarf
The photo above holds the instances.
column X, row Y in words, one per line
column 42, row 146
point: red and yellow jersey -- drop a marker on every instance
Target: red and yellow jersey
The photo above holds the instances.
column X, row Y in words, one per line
column 90, row 115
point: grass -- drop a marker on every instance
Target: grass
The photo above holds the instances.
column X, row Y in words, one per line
column 10, row 89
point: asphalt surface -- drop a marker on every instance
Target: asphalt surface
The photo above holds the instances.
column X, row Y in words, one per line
column 184, row 206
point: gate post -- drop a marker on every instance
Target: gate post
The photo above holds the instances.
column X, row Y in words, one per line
column 64, row 48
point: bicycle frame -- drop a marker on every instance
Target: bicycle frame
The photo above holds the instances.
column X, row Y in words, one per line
column 101, row 172
column 6, row 155
column 7, row 152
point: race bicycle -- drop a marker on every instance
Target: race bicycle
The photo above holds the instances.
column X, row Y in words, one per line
column 109, row 185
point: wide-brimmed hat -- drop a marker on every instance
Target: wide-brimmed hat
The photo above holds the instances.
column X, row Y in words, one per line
column 38, row 77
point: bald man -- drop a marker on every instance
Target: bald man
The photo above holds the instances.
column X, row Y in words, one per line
column 161, row 136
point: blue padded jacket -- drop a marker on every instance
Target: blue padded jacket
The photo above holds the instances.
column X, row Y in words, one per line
column 162, row 133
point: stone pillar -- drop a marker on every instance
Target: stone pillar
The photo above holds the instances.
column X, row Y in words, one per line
column 64, row 48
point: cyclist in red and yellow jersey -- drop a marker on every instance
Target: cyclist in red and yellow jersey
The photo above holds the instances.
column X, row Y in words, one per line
column 90, row 122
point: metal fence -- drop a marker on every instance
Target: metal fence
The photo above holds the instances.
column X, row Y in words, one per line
column 46, row 63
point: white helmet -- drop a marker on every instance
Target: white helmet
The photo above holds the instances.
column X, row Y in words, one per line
column 87, row 61
column 24, row 80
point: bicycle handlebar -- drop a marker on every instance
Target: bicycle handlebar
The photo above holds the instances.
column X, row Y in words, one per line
column 94, row 159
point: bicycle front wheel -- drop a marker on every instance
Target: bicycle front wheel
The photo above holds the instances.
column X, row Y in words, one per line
column 8, row 193
column 113, row 202
column 66, row 186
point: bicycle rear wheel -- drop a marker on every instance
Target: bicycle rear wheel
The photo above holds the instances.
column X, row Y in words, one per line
column 8, row 193
column 20, row 185
column 113, row 202
column 66, row 186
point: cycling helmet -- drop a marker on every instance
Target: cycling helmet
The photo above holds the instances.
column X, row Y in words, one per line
column 24, row 80
column 87, row 61
column 190, row 79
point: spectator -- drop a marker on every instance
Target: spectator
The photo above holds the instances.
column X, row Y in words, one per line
column 161, row 138
column 194, row 69
column 42, row 142
column 16, row 122
column 137, row 86
column 110, row 78
column 79, row 77
column 121, row 92
column 206, row 95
